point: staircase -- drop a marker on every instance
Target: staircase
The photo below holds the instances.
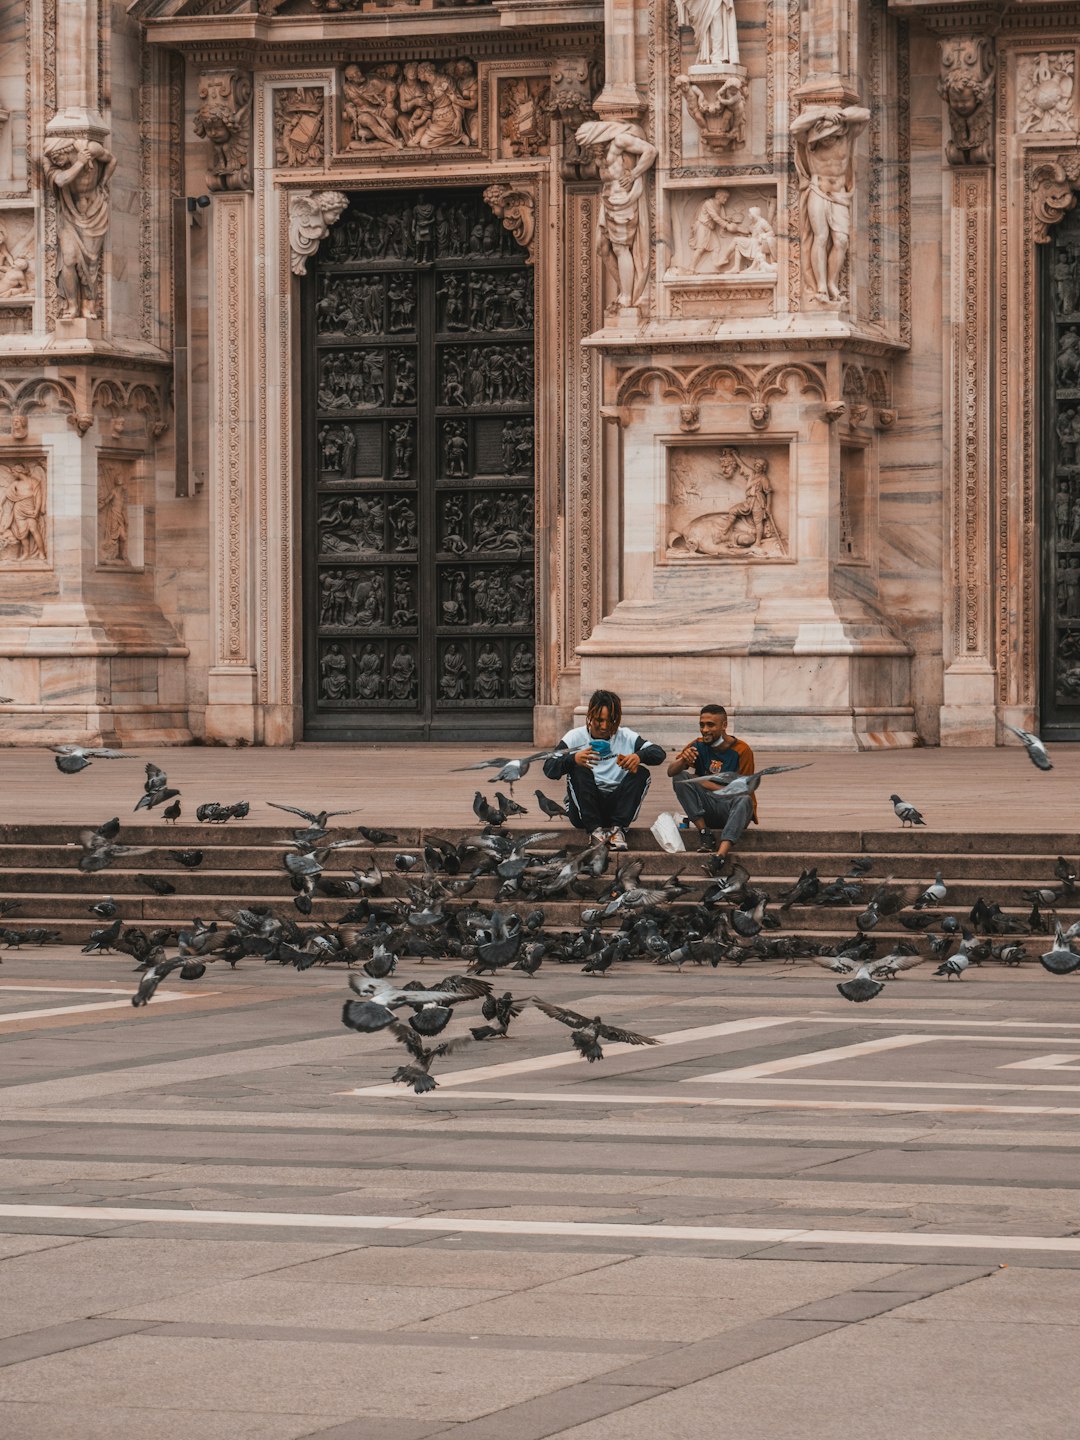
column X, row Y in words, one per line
column 243, row 865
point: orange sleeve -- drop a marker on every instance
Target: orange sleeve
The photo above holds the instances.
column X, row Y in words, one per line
column 746, row 767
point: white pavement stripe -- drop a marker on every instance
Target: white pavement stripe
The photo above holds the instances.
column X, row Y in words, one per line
column 571, row 1057
column 749, row 1102
column 820, row 1057
column 448, row 1225
column 15, row 1016
column 63, row 989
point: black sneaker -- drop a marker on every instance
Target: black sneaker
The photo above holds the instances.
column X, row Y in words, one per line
column 708, row 842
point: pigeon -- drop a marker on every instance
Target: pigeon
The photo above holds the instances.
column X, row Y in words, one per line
column 377, row 837
column 98, row 849
column 1035, row 748
column 417, row 1074
column 189, row 859
column 551, row 808
column 104, row 909
column 485, row 811
column 905, row 813
column 861, row 986
column 152, row 977
column 155, row 788
column 933, row 894
column 735, row 785
column 1061, row 959
column 954, row 967
column 156, row 884
column 214, row 813
column 171, row 813
column 103, row 939
column 70, row 759
column 587, row 1033
column 366, row 1016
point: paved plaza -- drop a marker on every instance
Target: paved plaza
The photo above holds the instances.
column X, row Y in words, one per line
column 793, row 1219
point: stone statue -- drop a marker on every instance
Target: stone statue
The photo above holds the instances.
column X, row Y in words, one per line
column 966, row 84
column 224, row 118
column 825, row 139
column 713, row 24
column 622, row 239
column 22, row 513
column 717, row 107
column 310, row 218
column 78, row 170
column 112, row 515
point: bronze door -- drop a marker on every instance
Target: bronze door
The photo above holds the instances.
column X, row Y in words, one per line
column 418, row 474
column 1059, row 707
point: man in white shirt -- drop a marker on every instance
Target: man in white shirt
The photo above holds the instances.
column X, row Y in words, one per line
column 603, row 762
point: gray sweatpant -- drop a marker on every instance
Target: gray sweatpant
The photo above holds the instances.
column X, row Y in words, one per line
column 729, row 814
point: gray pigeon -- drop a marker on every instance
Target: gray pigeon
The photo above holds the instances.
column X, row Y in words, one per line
column 70, row 759
column 905, row 813
column 1034, row 746
column 862, row 986
column 1061, row 959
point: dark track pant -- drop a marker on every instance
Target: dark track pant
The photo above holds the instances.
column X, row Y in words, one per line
column 594, row 809
column 730, row 815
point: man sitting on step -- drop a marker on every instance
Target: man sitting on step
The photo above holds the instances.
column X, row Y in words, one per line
column 603, row 765
column 714, row 752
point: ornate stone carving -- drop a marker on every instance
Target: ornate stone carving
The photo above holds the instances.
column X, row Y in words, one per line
column 338, row 7
column 714, row 27
column 689, row 419
column 747, row 527
column 622, row 238
column 414, row 106
column 886, row 418
column 224, row 118
column 574, row 81
column 524, row 116
column 516, row 209
column 311, row 213
column 824, row 139
column 112, row 509
column 717, row 105
column 759, row 416
column 1044, row 100
column 299, row 126
column 78, row 170
column 22, row 512
column 1052, row 194
column 726, row 236
column 834, row 410
column 966, row 84
column 16, row 275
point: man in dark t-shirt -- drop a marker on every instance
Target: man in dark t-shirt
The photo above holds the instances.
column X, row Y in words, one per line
column 715, row 752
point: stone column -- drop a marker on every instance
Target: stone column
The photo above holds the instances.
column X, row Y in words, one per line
column 967, row 712
column 232, row 688
column 620, row 97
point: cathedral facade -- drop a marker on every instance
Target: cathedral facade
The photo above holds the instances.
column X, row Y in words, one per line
column 407, row 369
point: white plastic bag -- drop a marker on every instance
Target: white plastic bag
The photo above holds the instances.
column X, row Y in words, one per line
column 667, row 834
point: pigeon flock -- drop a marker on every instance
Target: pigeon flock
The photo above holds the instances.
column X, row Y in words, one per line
column 733, row 922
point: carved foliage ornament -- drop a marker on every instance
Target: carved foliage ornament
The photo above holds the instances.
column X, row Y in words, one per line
column 1052, row 193
column 516, row 209
column 1045, row 92
column 224, row 119
column 966, row 84
column 311, row 215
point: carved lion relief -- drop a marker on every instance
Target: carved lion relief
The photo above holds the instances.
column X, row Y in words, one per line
column 728, row 502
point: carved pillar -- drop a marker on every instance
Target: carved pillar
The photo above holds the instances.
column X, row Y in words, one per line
column 232, row 692
column 620, row 98
column 968, row 711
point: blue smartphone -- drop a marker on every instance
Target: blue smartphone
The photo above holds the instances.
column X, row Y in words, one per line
column 602, row 747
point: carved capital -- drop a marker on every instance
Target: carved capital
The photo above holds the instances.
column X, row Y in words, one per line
column 1052, row 194
column 311, row 213
column 224, row 120
column 966, row 84
column 516, row 208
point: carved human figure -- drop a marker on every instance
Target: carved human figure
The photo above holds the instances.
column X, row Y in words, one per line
column 112, row 514
column 403, row 601
column 15, row 278
column 713, row 24
column 445, row 124
column 78, row 171
column 1068, row 358
column 402, row 517
column 1067, row 427
column 825, row 139
column 334, row 674
column 623, row 157
column 369, row 673
column 712, row 235
column 453, row 525
column 454, row 610
column 966, row 84
column 22, row 513
column 522, row 672
column 489, row 669
column 1062, row 510
column 751, row 516
column 453, row 680
column 401, row 443
column 402, row 684
column 369, row 107
column 223, row 118
column 1066, row 287
column 761, row 250
column 455, row 450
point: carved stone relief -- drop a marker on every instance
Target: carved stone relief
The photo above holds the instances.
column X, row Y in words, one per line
column 722, row 502
column 725, row 232
column 1052, row 194
column 417, row 105
column 1044, row 99
column 299, row 126
column 824, row 146
column 119, row 514
column 524, row 116
column 311, row 215
column 78, row 168
column 623, row 157
column 224, row 119
column 717, row 106
column 516, row 209
column 966, row 84
column 574, row 81
column 23, row 519
column 16, row 256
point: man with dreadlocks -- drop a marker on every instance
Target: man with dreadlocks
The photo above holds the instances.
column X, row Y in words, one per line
column 603, row 762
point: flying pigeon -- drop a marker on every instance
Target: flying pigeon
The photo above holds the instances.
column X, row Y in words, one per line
column 1034, row 746
column 70, row 759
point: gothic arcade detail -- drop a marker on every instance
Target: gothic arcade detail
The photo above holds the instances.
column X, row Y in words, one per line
column 418, row 490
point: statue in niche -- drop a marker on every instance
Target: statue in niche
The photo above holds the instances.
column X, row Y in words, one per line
column 112, row 514
column 404, row 392
column 334, row 674
column 403, row 601
column 623, row 157
column 298, row 126
column 489, row 669
column 423, row 231
column 452, row 293
column 522, row 672
column 747, row 527
column 402, row 303
column 453, row 526
column 714, row 27
column 22, row 513
column 224, row 118
column 402, row 684
column 1067, row 428
column 455, row 450
column 1066, row 280
column 1068, row 358
column 454, row 608
column 453, row 680
column 402, row 517
column 825, row 139
column 78, row 171
column 401, row 449
column 369, row 673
